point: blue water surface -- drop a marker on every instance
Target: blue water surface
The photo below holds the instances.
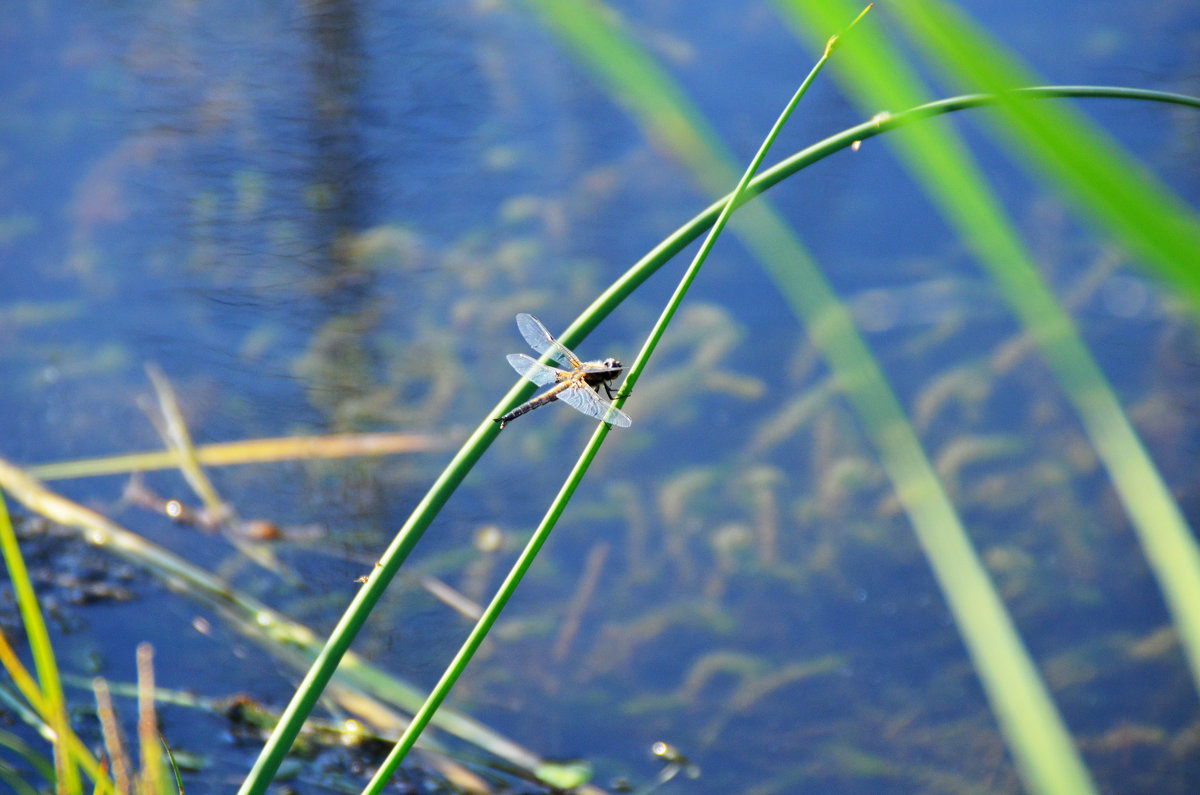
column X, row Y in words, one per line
column 322, row 218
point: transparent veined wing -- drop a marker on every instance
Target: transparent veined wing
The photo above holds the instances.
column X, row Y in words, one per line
column 532, row 370
column 543, row 341
column 587, row 400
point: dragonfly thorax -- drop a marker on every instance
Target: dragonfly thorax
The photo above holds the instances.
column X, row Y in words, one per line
column 600, row 371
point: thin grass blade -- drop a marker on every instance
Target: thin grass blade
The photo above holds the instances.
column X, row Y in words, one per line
column 54, row 703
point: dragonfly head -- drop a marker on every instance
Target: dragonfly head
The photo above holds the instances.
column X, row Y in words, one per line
column 612, row 364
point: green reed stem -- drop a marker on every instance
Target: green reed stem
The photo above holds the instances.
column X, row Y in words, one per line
column 732, row 201
column 1027, row 715
column 559, row 504
column 443, row 487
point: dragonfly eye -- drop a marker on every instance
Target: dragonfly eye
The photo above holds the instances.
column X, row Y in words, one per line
column 612, row 364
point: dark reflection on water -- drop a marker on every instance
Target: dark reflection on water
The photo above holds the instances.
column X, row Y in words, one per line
column 336, row 77
column 323, row 216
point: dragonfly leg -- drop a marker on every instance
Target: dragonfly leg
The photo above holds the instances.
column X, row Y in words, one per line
column 611, row 393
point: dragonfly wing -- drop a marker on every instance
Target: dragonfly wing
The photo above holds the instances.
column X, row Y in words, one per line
column 543, row 341
column 532, row 370
column 590, row 403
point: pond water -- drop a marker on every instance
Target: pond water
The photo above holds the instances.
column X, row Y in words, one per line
column 322, row 218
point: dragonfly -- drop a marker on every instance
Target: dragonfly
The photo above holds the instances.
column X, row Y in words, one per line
column 578, row 387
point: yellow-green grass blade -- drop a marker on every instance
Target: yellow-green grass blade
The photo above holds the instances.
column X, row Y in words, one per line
column 245, row 451
column 1125, row 200
column 939, row 161
column 290, row 641
column 32, row 710
column 55, row 706
column 1121, row 197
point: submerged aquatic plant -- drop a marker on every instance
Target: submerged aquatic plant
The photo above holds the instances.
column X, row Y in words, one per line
column 921, row 470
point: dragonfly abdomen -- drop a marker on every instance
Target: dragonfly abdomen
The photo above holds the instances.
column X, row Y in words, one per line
column 528, row 406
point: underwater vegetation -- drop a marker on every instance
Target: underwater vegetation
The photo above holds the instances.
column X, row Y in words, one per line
column 906, row 501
